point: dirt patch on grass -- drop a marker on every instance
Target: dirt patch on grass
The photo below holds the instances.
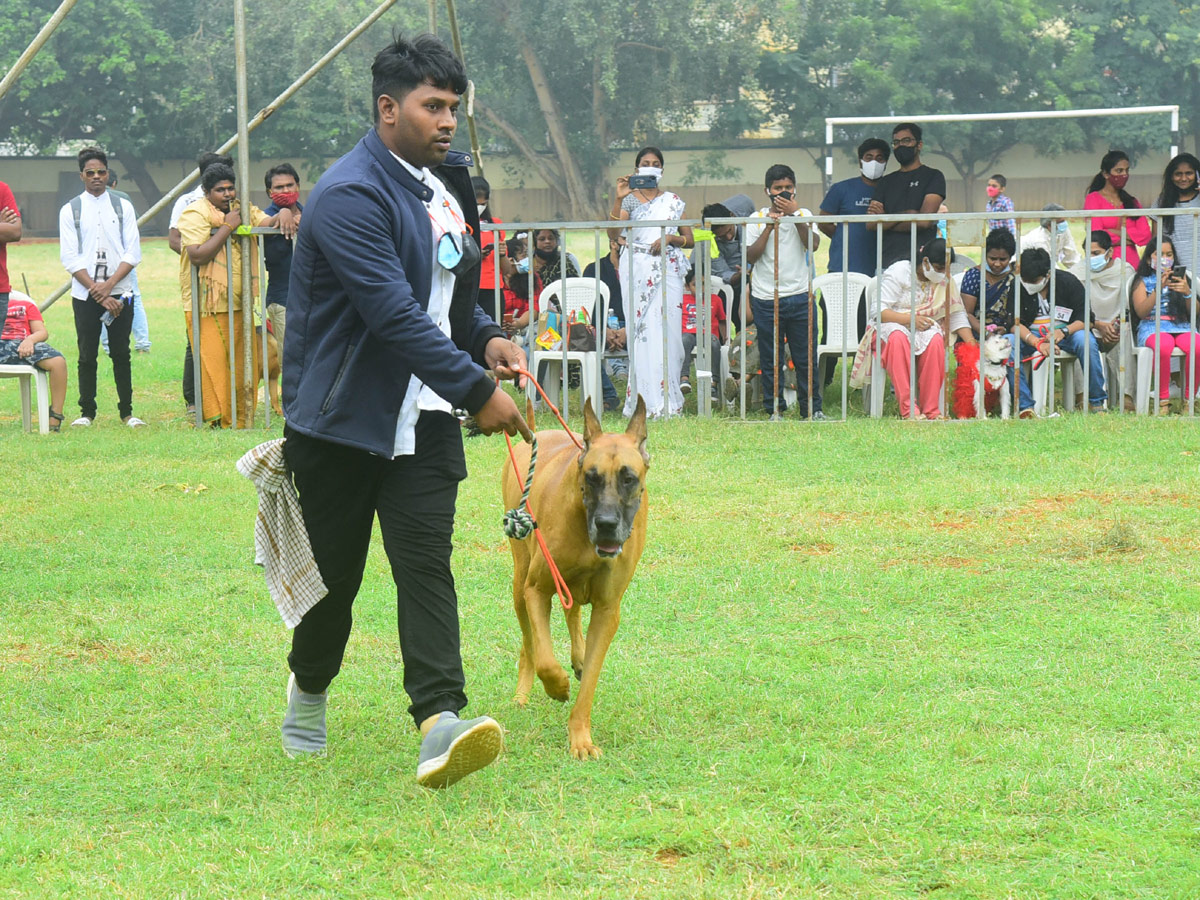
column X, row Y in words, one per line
column 669, row 857
column 819, row 548
column 84, row 651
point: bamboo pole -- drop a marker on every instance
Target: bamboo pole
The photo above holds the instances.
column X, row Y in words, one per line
column 35, row 45
column 458, row 51
column 243, row 241
column 263, row 114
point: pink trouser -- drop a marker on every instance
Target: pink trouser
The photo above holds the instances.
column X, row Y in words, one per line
column 931, row 372
column 1187, row 343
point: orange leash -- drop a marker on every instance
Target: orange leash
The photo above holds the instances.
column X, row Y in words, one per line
column 513, row 517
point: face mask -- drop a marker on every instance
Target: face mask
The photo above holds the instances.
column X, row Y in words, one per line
column 904, row 155
column 1062, row 228
column 783, row 195
column 993, row 191
column 457, row 256
column 872, row 168
column 1166, row 265
column 1098, row 262
column 1036, row 287
column 523, row 265
column 285, row 199
column 1004, row 271
column 651, row 170
column 932, row 274
column 1118, row 181
column 547, row 255
column 480, row 207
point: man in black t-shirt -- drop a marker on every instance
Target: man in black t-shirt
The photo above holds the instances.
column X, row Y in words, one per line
column 914, row 188
column 1040, row 323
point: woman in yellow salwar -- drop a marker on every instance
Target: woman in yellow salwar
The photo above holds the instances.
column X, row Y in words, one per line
column 204, row 228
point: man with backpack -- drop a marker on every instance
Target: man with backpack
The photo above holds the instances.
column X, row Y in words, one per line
column 100, row 246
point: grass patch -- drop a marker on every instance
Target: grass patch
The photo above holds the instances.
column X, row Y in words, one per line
column 871, row 659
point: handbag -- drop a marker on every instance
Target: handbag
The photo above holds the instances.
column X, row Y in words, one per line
column 581, row 338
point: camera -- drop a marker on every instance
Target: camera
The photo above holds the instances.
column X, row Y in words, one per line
column 642, row 182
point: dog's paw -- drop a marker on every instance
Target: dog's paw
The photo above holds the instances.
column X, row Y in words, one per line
column 583, row 749
column 577, row 668
column 521, row 698
column 557, row 685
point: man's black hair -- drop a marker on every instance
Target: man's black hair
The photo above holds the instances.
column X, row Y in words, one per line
column 935, row 251
column 403, row 65
column 1103, row 239
column 215, row 174
column 912, row 127
column 1035, row 262
column 716, row 211
column 778, row 172
column 875, row 144
column 87, row 154
column 281, row 169
column 1000, row 239
column 207, row 158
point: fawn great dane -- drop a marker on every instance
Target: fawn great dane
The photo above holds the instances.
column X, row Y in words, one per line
column 591, row 507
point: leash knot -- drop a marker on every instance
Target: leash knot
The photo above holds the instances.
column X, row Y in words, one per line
column 518, row 524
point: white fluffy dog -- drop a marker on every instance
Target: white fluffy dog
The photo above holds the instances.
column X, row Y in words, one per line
column 994, row 361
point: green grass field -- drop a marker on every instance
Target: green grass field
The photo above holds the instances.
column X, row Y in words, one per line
column 863, row 659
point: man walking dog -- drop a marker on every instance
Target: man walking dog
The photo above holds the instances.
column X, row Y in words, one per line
column 387, row 340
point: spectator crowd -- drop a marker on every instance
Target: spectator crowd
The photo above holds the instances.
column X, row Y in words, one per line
column 1128, row 289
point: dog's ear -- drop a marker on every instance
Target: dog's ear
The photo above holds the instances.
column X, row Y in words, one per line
column 591, row 426
column 637, row 428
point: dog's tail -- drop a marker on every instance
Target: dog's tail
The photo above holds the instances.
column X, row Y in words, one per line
column 529, row 413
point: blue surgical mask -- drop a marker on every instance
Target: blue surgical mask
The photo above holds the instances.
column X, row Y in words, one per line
column 523, row 265
column 449, row 253
column 1062, row 228
column 1098, row 262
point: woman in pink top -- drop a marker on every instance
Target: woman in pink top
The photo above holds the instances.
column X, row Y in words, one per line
column 1107, row 191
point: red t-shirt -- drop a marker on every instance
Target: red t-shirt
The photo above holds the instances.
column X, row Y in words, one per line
column 487, row 269
column 6, row 200
column 22, row 316
column 689, row 314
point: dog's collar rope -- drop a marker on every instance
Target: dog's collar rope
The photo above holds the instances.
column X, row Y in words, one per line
column 519, row 522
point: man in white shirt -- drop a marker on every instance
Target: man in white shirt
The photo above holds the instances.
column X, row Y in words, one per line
column 795, row 324
column 99, row 245
column 1054, row 236
column 203, row 161
column 1111, row 279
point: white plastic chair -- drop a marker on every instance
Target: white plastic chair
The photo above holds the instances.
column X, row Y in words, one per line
column 577, row 294
column 1144, row 363
column 27, row 375
column 839, row 331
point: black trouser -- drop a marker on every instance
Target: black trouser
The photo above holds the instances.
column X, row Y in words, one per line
column 87, row 340
column 189, row 375
column 341, row 491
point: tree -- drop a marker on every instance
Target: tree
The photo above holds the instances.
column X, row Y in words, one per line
column 884, row 57
column 560, row 82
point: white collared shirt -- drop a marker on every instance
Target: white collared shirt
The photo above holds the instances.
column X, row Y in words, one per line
column 444, row 215
column 183, row 203
column 99, row 228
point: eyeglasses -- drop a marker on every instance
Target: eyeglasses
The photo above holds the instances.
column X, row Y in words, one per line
column 93, row 173
column 905, row 142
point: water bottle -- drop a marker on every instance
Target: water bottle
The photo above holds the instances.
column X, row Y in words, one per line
column 107, row 318
column 613, row 321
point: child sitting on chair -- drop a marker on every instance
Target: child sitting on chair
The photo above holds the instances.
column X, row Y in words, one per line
column 689, row 334
column 22, row 340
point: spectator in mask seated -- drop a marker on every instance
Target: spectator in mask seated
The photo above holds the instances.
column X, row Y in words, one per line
column 1162, row 302
column 936, row 297
column 1110, row 282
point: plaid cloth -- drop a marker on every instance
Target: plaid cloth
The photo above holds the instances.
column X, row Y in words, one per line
column 281, row 544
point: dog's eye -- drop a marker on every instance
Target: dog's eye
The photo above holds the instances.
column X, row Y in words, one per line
column 628, row 478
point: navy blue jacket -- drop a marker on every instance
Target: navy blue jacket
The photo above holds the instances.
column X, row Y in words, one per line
column 357, row 299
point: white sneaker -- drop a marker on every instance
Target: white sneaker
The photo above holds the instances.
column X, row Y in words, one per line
column 82, row 422
column 134, row 422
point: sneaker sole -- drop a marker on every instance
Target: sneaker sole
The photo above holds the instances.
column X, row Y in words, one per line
column 467, row 753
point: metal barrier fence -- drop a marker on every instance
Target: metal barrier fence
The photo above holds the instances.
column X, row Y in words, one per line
column 705, row 363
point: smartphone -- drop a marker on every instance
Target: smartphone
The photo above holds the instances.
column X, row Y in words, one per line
column 1179, row 272
column 642, row 182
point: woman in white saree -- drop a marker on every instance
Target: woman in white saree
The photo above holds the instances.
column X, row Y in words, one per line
column 643, row 288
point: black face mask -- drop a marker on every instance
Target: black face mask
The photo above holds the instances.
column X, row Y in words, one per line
column 904, row 155
column 547, row 255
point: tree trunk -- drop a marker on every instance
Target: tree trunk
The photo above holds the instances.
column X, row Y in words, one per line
column 546, row 171
column 577, row 192
column 135, row 168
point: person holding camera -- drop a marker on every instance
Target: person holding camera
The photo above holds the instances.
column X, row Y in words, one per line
column 650, row 290
column 1162, row 284
column 781, row 284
